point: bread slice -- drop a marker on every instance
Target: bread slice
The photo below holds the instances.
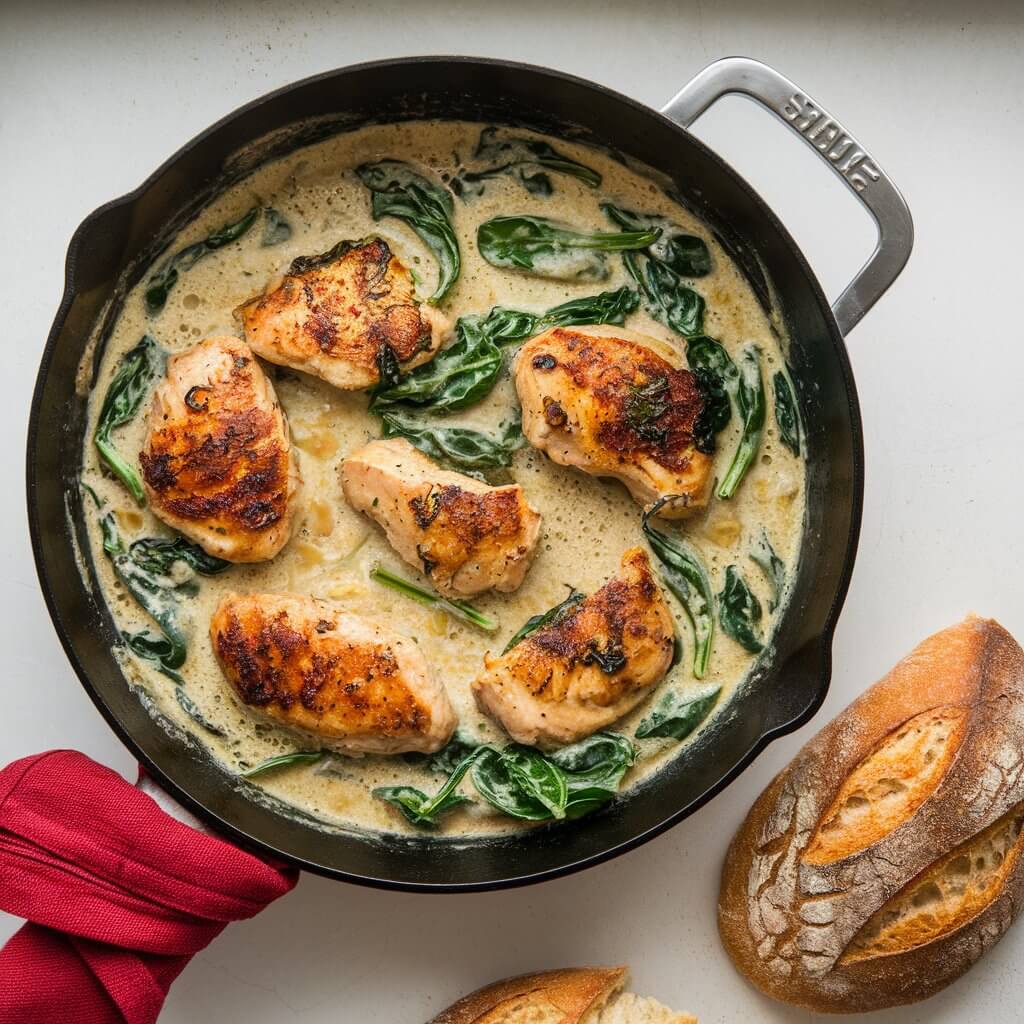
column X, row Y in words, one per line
column 885, row 858
column 575, row 995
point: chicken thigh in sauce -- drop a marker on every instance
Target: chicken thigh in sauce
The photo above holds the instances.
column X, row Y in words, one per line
column 465, row 535
column 354, row 686
column 333, row 314
column 607, row 401
column 217, row 462
column 586, row 669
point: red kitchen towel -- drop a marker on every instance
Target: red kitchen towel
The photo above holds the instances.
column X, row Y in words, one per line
column 118, row 894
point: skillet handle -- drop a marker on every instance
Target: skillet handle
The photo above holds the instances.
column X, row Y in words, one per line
column 836, row 146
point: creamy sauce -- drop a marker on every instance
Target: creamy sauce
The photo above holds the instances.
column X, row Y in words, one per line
column 588, row 523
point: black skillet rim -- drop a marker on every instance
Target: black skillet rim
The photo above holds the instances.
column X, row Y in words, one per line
column 225, row 827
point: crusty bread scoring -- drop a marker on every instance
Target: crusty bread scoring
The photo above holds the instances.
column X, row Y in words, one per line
column 575, row 995
column 885, row 859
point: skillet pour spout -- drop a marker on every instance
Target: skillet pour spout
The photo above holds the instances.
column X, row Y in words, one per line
column 115, row 246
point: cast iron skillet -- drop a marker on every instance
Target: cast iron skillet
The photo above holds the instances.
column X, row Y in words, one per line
column 114, row 246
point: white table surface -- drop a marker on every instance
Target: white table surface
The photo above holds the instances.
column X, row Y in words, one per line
column 94, row 96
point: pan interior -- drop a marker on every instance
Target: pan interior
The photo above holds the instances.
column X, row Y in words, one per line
column 113, row 248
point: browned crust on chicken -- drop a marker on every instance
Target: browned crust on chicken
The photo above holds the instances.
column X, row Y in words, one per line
column 604, row 400
column 217, row 463
column 592, row 665
column 309, row 665
column 333, row 313
column 466, row 536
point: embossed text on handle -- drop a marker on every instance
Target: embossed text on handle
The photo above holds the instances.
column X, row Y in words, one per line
column 828, row 136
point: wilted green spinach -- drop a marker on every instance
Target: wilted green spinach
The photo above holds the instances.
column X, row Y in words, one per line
column 739, row 611
column 398, row 191
column 524, row 783
column 276, row 227
column 138, row 368
column 660, row 268
column 159, row 286
column 764, row 556
column 717, row 378
column 465, row 449
column 521, row 158
column 461, row 610
column 548, row 248
column 750, row 403
column 786, row 415
column 144, row 570
column 677, row 715
column 466, row 371
column 685, row 575
column 283, row 761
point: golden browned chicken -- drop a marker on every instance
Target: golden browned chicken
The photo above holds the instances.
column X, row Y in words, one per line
column 217, row 463
column 613, row 403
column 350, row 684
column 466, row 536
column 590, row 666
column 333, row 313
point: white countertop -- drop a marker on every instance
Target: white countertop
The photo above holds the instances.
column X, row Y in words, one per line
column 92, row 100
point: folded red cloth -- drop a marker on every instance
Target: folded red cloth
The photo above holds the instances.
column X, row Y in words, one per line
column 118, row 894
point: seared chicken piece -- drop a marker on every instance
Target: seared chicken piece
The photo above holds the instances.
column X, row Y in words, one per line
column 333, row 313
column 466, row 536
column 604, row 400
column 590, row 666
column 217, row 463
column 347, row 682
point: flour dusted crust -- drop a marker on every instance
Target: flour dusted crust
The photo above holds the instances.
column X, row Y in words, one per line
column 878, row 909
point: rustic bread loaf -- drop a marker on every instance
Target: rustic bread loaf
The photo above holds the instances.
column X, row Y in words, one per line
column 576, row 995
column 885, row 859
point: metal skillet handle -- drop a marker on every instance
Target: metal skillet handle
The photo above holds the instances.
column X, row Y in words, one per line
column 836, row 146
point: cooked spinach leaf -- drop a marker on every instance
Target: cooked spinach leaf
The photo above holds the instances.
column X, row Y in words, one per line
column 276, row 227
column 548, row 618
column 547, row 248
column 685, row 575
column 764, row 556
column 157, row 555
column 283, row 761
column 665, row 294
column 461, row 610
column 685, row 254
column 750, row 404
column 156, row 597
column 677, row 715
column 521, row 158
column 163, row 280
column 398, row 191
column 188, row 705
column 786, row 415
column 524, row 783
column 465, row 449
column 594, row 769
column 739, row 611
column 145, row 570
column 537, row 778
column 138, row 368
column 495, row 783
column 422, row 810
column 459, row 375
column 717, row 378
column 611, row 307
column 466, row 371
